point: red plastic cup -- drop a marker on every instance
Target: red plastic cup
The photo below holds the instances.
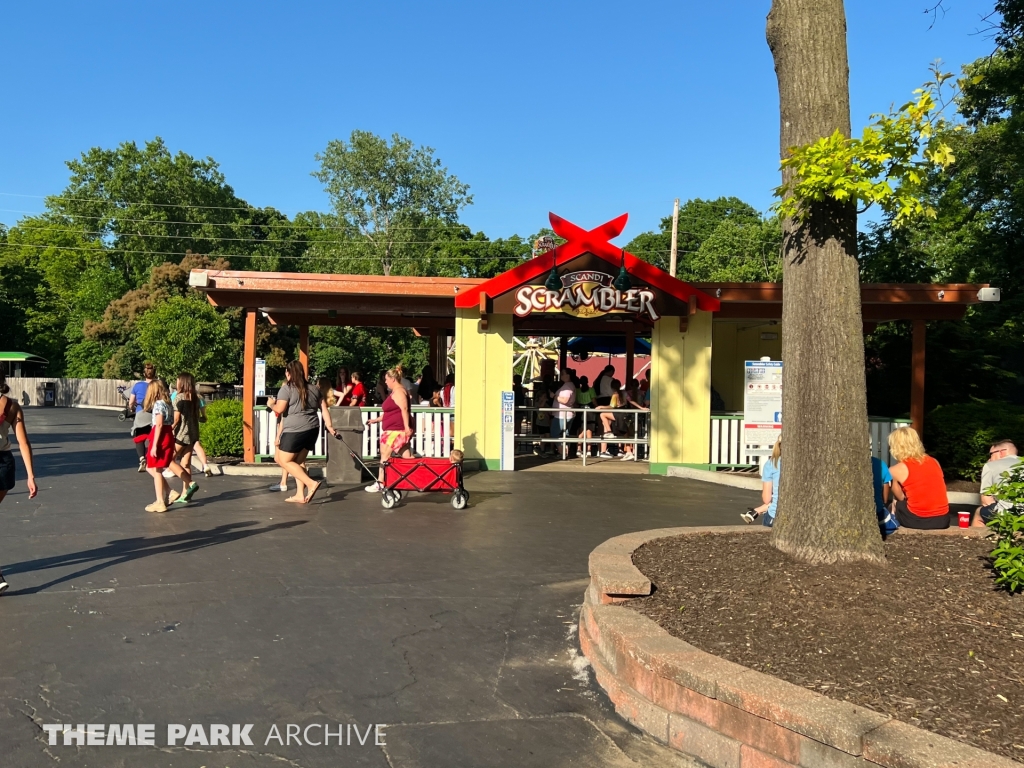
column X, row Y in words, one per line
column 965, row 519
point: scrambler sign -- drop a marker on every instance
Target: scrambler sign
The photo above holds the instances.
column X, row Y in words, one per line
column 585, row 294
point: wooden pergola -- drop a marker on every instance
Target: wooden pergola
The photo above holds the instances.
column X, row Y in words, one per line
column 427, row 304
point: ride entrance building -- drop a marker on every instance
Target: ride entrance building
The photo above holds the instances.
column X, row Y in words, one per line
column 700, row 337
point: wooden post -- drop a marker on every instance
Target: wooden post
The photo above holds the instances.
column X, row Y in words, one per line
column 304, row 348
column 563, row 353
column 433, row 358
column 630, row 347
column 673, row 256
column 917, row 377
column 249, row 387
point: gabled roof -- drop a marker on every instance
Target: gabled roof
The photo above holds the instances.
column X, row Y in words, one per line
column 578, row 242
column 23, row 357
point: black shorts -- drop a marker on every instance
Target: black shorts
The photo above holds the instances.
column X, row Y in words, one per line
column 6, row 470
column 293, row 442
column 909, row 520
column 988, row 512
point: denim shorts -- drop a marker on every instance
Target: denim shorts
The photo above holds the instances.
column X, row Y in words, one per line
column 6, row 470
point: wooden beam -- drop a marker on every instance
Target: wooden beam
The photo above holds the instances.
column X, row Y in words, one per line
column 304, row 348
column 563, row 353
column 917, row 376
column 360, row 321
column 684, row 324
column 342, row 303
column 692, row 309
column 249, row 387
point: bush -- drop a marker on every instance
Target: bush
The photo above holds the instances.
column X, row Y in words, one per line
column 1008, row 556
column 221, row 435
column 959, row 435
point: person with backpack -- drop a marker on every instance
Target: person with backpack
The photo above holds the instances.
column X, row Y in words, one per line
column 160, row 455
column 187, row 412
column 13, row 417
column 143, row 422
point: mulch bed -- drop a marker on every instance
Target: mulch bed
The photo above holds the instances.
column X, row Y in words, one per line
column 925, row 639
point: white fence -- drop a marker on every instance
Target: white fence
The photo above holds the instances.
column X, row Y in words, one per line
column 727, row 449
column 432, row 435
column 69, row 393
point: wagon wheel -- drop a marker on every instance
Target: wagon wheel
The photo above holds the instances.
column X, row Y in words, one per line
column 388, row 499
column 460, row 499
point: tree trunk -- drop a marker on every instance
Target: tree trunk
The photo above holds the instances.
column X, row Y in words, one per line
column 826, row 511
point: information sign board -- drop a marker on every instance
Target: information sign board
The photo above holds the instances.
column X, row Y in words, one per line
column 261, row 377
column 762, row 405
column 508, row 435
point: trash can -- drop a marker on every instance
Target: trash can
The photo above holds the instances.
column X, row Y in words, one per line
column 342, row 469
column 49, row 393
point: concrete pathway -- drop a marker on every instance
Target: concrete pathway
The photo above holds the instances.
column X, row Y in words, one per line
column 456, row 630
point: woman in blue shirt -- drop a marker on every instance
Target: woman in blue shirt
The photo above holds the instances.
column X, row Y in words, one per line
column 770, row 474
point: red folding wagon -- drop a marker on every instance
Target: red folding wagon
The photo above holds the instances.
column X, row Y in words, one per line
column 425, row 476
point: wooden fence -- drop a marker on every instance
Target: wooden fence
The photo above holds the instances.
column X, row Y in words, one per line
column 69, row 393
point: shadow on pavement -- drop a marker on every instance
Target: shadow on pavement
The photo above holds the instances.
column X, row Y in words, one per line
column 125, row 550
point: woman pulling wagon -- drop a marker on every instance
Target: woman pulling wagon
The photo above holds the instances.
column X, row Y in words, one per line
column 396, row 431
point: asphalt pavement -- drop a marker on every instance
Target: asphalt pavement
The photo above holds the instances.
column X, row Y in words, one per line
column 454, row 632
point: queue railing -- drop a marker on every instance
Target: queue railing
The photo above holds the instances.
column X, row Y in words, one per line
column 433, row 430
column 639, row 436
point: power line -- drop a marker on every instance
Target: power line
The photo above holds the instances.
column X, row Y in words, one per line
column 106, row 250
column 255, row 208
column 290, row 241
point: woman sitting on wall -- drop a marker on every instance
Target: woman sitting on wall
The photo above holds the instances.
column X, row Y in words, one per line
column 918, row 483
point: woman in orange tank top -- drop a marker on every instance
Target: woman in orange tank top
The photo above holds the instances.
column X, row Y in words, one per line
column 918, row 483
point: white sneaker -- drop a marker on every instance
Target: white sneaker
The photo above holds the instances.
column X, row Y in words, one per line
column 374, row 488
column 605, row 455
column 208, row 470
column 628, row 457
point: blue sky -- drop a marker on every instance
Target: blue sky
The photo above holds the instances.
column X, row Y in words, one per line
column 587, row 109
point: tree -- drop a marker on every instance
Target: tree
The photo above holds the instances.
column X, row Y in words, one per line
column 148, row 206
column 115, row 338
column 826, row 516
column 698, row 220
column 185, row 334
column 388, row 193
column 976, row 236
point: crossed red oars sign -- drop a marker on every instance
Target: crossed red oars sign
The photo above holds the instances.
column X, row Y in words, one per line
column 578, row 242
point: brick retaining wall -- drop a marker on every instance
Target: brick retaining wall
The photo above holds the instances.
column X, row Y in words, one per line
column 723, row 713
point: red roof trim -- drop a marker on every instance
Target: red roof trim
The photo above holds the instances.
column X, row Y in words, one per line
column 578, row 242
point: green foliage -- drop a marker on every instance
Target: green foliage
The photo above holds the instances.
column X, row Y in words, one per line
column 388, row 194
column 975, row 238
column 738, row 251
column 145, row 205
column 959, row 435
column 371, row 351
column 697, row 221
column 221, row 435
column 1008, row 555
column 186, row 334
column 888, row 165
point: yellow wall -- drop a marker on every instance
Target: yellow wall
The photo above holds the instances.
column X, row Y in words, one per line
column 680, row 392
column 734, row 342
column 483, row 369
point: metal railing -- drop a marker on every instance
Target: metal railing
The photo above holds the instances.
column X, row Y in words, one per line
column 433, row 430
column 639, row 438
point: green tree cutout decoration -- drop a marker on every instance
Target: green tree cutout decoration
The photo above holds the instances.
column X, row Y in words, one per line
column 888, row 165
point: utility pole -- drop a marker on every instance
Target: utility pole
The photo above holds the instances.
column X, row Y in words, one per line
column 675, row 239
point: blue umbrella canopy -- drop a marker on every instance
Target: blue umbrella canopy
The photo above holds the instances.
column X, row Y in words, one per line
column 607, row 345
